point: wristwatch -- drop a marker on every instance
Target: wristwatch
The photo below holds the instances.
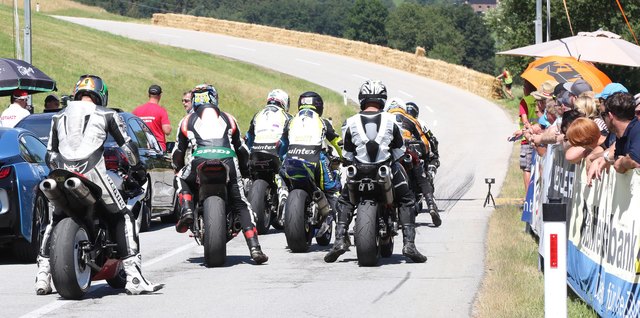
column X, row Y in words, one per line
column 606, row 157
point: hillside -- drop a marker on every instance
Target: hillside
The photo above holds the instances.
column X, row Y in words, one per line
column 65, row 51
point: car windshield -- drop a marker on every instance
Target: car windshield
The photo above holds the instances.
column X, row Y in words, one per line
column 38, row 125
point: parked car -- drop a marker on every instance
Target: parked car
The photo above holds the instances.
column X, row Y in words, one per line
column 23, row 208
column 161, row 193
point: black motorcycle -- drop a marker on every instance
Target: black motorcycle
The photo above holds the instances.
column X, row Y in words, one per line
column 214, row 223
column 263, row 195
column 307, row 207
column 83, row 244
column 376, row 218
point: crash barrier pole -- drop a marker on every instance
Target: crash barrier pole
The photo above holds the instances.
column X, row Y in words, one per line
column 344, row 97
column 554, row 218
column 489, row 181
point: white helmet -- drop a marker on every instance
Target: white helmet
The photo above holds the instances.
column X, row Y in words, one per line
column 372, row 91
column 394, row 102
column 280, row 98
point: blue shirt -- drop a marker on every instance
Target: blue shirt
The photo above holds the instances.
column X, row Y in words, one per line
column 629, row 143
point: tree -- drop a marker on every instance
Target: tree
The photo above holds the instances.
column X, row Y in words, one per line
column 366, row 22
column 512, row 25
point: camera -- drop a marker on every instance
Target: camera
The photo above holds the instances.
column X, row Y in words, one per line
column 64, row 100
column 489, row 180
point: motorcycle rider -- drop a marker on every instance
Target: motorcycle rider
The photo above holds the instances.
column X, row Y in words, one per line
column 268, row 130
column 210, row 128
column 433, row 163
column 307, row 133
column 77, row 136
column 373, row 137
column 412, row 131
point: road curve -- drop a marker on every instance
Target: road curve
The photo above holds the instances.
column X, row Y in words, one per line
column 472, row 132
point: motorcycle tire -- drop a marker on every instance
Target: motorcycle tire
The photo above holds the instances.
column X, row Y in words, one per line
column 119, row 281
column 259, row 205
column 296, row 228
column 366, row 234
column 386, row 247
column 70, row 275
column 145, row 210
column 277, row 221
column 215, row 231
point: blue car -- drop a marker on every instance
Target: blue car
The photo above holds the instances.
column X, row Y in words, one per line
column 23, row 208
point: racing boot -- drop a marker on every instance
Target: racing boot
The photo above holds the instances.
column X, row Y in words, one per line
column 433, row 211
column 43, row 278
column 340, row 245
column 251, row 235
column 136, row 283
column 186, row 212
column 409, row 249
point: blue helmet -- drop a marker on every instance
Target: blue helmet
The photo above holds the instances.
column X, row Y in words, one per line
column 204, row 94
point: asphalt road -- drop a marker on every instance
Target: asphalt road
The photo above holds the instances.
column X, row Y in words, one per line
column 472, row 133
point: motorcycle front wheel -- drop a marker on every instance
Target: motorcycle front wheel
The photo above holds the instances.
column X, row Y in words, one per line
column 70, row 274
column 215, row 231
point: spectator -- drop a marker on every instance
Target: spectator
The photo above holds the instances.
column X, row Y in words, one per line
column 527, row 117
column 507, row 80
column 620, row 117
column 155, row 116
column 583, row 132
column 637, row 98
column 16, row 111
column 51, row 103
column 576, row 89
column 186, row 101
column 587, row 106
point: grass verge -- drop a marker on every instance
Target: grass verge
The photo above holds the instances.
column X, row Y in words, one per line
column 65, row 51
column 512, row 285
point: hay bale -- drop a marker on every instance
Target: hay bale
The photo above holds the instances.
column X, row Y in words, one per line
column 420, row 52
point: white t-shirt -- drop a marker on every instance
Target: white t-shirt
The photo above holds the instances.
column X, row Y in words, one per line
column 12, row 115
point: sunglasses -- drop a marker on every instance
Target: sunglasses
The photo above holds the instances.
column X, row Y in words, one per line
column 184, row 100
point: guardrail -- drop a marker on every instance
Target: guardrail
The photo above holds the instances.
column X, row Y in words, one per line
column 603, row 230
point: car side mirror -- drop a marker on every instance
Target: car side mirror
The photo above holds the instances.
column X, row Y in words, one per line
column 170, row 146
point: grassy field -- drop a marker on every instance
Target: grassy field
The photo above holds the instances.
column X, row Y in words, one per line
column 65, row 51
column 513, row 286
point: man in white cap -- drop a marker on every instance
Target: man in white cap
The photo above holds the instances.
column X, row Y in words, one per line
column 16, row 111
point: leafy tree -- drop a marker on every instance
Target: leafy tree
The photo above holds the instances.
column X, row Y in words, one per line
column 366, row 22
column 512, row 24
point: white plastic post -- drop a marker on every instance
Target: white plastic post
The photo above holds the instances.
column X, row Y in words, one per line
column 344, row 97
column 555, row 258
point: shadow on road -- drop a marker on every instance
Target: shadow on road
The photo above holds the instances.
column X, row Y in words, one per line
column 232, row 260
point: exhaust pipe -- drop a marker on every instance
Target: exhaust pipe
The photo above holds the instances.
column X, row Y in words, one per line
column 54, row 194
column 384, row 175
column 80, row 192
column 323, row 204
column 351, row 171
column 407, row 162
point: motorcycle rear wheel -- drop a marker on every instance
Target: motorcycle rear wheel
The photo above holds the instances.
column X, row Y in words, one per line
column 259, row 205
column 366, row 234
column 296, row 229
column 70, row 274
column 215, row 231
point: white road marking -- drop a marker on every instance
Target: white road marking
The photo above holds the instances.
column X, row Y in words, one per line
column 52, row 306
column 241, row 47
column 360, row 76
column 428, row 108
column 308, row 62
column 165, row 34
column 405, row 93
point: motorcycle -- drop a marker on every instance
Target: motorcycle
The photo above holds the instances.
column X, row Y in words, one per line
column 266, row 196
column 421, row 203
column 370, row 189
column 83, row 245
column 307, row 208
column 214, row 223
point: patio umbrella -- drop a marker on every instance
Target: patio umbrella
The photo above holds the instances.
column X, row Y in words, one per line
column 597, row 47
column 564, row 69
column 18, row 74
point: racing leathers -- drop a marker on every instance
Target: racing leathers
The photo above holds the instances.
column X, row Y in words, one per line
column 419, row 148
column 214, row 135
column 433, row 162
column 307, row 134
column 372, row 137
column 268, row 131
column 76, row 143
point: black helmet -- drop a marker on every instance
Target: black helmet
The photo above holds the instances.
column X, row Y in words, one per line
column 92, row 86
column 311, row 100
column 412, row 109
column 204, row 94
column 372, row 91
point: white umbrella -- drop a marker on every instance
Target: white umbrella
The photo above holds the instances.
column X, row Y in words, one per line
column 597, row 47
